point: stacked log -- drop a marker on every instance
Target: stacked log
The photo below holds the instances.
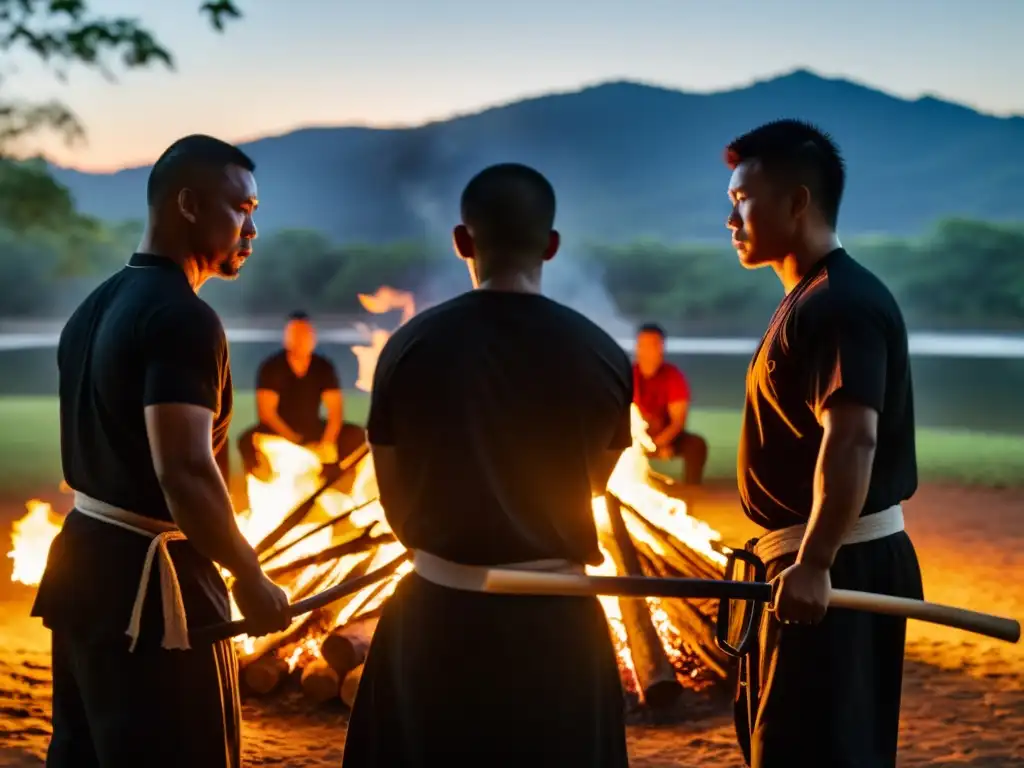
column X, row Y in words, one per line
column 659, row 687
column 327, row 649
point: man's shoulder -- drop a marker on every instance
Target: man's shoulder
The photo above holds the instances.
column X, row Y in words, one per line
column 672, row 372
column 848, row 285
column 324, row 365
column 274, row 360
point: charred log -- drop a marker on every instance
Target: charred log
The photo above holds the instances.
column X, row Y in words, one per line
column 659, row 685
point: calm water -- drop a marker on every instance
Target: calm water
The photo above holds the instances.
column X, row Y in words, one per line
column 984, row 393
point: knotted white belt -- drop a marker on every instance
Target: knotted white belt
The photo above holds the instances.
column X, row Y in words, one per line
column 175, row 622
column 787, row 541
column 473, row 578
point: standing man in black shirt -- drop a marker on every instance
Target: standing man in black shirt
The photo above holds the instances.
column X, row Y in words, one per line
column 826, row 457
column 534, row 401
column 145, row 403
column 291, row 385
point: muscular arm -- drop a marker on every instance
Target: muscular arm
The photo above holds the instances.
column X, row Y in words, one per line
column 185, row 374
column 266, row 409
column 841, row 480
column 335, row 404
column 179, row 439
column 847, row 380
column 677, row 413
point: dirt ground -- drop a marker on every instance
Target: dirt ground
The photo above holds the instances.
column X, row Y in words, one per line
column 963, row 699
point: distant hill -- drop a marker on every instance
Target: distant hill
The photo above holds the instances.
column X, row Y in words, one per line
column 628, row 160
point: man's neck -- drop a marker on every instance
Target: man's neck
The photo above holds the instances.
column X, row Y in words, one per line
column 798, row 263
column 156, row 245
column 298, row 363
column 516, row 282
column 648, row 373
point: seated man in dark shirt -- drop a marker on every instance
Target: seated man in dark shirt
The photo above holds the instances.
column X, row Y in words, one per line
column 291, row 385
column 662, row 393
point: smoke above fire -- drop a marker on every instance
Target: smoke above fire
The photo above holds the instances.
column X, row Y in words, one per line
column 428, row 176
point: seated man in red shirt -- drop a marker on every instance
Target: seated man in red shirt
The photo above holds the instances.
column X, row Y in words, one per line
column 662, row 394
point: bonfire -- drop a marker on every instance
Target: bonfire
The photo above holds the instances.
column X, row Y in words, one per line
column 312, row 535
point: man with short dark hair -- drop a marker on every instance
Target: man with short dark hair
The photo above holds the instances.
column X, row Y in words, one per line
column 145, row 403
column 533, row 400
column 291, row 386
column 662, row 393
column 826, row 458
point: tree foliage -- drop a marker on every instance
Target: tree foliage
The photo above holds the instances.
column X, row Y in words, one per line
column 64, row 34
column 960, row 275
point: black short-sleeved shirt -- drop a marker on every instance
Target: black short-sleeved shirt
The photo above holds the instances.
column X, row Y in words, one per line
column 838, row 334
column 299, row 396
column 500, row 406
column 142, row 338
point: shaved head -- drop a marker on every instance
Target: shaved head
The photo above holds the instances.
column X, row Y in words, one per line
column 509, row 212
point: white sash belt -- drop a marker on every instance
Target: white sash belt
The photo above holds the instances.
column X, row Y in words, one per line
column 175, row 622
column 473, row 578
column 787, row 541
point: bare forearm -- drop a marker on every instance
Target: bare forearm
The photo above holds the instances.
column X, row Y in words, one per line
column 335, row 418
column 841, row 480
column 677, row 412
column 670, row 433
column 201, row 507
column 276, row 423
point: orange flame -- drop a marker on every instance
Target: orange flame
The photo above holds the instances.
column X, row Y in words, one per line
column 295, row 475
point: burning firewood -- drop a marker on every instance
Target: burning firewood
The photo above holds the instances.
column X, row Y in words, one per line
column 320, row 683
column 265, row 674
column 659, row 686
column 297, row 515
column 345, row 648
column 276, row 553
column 350, row 686
column 660, row 644
column 361, row 543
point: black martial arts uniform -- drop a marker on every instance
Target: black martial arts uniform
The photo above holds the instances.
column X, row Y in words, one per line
column 498, row 405
column 828, row 694
column 298, row 405
column 142, row 338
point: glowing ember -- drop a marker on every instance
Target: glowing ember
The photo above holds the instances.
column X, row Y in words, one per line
column 338, row 518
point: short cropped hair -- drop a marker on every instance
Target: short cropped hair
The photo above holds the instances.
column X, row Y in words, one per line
column 651, row 328
column 798, row 152
column 178, row 164
column 298, row 314
column 509, row 207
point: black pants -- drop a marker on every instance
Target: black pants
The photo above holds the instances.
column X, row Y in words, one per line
column 693, row 449
column 351, row 437
column 459, row 678
column 154, row 708
column 829, row 694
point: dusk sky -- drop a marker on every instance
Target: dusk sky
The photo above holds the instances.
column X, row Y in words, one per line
column 296, row 63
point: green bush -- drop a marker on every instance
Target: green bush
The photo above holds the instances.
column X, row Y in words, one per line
column 966, row 275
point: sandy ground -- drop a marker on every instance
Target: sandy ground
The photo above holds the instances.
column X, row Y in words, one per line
column 963, row 697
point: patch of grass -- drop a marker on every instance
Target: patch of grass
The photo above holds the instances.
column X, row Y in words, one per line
column 30, row 446
column 954, row 456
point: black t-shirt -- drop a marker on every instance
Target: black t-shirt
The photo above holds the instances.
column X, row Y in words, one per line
column 142, row 338
column 838, row 334
column 299, row 396
column 499, row 406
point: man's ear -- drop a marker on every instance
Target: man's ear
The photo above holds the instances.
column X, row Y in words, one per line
column 554, row 241
column 188, row 205
column 801, row 202
column 462, row 241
